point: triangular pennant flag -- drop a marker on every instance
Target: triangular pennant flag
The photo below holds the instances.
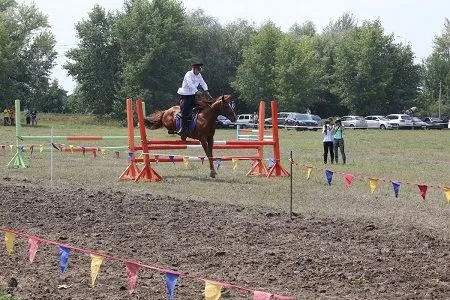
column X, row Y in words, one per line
column 33, row 245
column 396, row 187
column 54, row 146
column 186, row 161
column 31, row 150
column 373, row 183
column 130, row 156
column 218, row 163
column 104, row 152
column 271, row 163
column 41, row 148
column 157, row 158
column 94, row 153
column 202, row 159
column 71, row 148
column 257, row 295
column 83, row 149
column 21, row 148
column 132, row 270
column 422, row 190
column 96, row 262
column 234, row 161
column 329, row 176
column 447, row 194
column 9, row 240
column 348, row 180
column 171, row 158
column 3, row 147
column 63, row 258
column 308, row 172
column 117, row 154
column 11, row 147
column 171, row 282
column 212, row 291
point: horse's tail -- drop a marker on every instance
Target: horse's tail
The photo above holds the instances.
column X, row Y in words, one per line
column 154, row 121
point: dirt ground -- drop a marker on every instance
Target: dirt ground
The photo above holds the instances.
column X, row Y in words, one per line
column 309, row 257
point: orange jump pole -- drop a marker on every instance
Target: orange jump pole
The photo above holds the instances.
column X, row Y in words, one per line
column 132, row 171
column 147, row 173
column 259, row 168
column 276, row 170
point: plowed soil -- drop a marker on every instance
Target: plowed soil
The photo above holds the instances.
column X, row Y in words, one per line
column 309, row 257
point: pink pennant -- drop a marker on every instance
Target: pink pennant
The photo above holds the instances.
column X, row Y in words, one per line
column 348, row 180
column 202, row 158
column 257, row 295
column 32, row 248
column 94, row 153
column 132, row 276
column 422, row 190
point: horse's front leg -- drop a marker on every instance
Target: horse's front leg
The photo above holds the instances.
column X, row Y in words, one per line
column 210, row 140
column 208, row 152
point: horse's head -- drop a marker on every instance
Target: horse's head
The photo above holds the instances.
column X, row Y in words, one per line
column 226, row 109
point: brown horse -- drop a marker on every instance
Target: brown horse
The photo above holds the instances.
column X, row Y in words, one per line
column 205, row 123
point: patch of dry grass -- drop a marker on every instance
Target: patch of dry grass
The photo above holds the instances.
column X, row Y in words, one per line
column 408, row 156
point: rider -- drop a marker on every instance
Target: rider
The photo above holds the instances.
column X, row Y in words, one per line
column 187, row 93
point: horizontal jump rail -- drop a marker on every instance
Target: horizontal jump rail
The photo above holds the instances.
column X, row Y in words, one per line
column 200, row 158
column 177, row 147
column 73, row 137
column 230, row 142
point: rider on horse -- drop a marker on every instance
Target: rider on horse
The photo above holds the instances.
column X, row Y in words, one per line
column 187, row 93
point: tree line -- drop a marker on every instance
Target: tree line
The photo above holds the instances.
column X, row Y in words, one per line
column 143, row 51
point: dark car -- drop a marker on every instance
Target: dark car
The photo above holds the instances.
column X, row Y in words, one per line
column 223, row 122
column 302, row 121
column 435, row 123
column 418, row 123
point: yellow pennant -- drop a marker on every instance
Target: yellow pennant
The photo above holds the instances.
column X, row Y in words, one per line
column 447, row 194
column 103, row 152
column 41, row 148
column 9, row 240
column 186, row 161
column 235, row 162
column 96, row 262
column 212, row 291
column 373, row 183
column 71, row 148
column 11, row 146
column 308, row 172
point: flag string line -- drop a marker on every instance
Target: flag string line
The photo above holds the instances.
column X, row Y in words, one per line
column 142, row 265
column 362, row 177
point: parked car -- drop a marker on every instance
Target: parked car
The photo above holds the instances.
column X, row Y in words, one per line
column 303, row 121
column 245, row 120
column 223, row 122
column 418, row 123
column 281, row 116
column 378, row 122
column 400, row 121
column 357, row 122
column 435, row 123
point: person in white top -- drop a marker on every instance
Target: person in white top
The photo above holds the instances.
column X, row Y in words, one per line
column 189, row 88
column 328, row 133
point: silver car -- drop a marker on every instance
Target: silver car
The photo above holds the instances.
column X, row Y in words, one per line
column 378, row 122
column 356, row 122
column 400, row 121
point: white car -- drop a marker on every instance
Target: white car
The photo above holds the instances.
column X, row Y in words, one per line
column 246, row 120
column 378, row 122
column 356, row 122
column 400, row 121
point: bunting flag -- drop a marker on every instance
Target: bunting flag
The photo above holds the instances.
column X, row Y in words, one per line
column 11, row 147
column 132, row 270
column 94, row 153
column 33, row 245
column 308, row 172
column 348, row 180
column 96, row 262
column 202, row 158
column 56, row 147
column 9, row 240
column 373, row 183
column 3, row 147
column 271, row 163
column 447, row 194
column 71, row 148
column 257, row 295
column 329, row 176
column 171, row 159
column 31, row 150
column 212, row 291
column 83, row 149
column 423, row 190
column 186, row 161
column 171, row 282
column 157, row 158
column 41, row 148
column 396, row 187
column 117, row 153
column 218, row 163
column 234, row 161
column 63, row 258
column 21, row 148
column 103, row 152
column 130, row 156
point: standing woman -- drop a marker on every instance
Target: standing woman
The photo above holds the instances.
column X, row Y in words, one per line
column 338, row 141
column 327, row 133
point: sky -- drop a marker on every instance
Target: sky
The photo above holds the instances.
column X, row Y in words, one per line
column 415, row 22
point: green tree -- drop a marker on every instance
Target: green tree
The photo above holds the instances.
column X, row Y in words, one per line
column 95, row 64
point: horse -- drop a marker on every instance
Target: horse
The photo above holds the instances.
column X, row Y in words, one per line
column 208, row 111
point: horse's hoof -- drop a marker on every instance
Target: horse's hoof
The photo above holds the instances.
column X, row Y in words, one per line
column 212, row 174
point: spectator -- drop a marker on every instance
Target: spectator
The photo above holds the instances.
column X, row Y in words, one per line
column 338, row 141
column 6, row 117
column 327, row 133
column 33, row 115
column 27, row 116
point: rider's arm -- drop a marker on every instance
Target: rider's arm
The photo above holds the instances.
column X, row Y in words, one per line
column 203, row 83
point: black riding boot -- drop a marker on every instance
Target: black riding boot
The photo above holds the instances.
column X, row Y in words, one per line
column 184, row 125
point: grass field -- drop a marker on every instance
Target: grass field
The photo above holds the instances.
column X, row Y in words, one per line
column 416, row 156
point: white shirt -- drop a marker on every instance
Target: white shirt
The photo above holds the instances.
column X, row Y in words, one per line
column 327, row 133
column 190, row 84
